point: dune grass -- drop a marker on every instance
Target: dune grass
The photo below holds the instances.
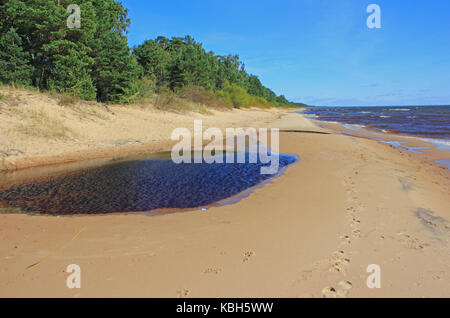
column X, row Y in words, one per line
column 38, row 123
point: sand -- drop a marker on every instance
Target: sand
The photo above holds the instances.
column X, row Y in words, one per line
column 35, row 130
column 349, row 203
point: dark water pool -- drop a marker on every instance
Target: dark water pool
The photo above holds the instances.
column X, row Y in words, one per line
column 139, row 185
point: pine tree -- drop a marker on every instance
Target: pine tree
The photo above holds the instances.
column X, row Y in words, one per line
column 14, row 61
column 116, row 70
column 38, row 48
column 70, row 70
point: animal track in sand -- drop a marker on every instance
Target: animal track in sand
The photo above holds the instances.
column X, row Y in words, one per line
column 436, row 224
column 341, row 290
column 412, row 242
column 183, row 293
column 356, row 221
column 247, row 256
column 339, row 253
column 345, row 240
column 438, row 276
column 329, row 292
column 339, row 261
column 212, row 270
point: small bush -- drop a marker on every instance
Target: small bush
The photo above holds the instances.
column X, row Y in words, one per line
column 257, row 101
column 146, row 87
column 167, row 100
column 201, row 96
column 238, row 97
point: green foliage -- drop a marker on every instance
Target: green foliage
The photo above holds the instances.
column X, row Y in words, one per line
column 95, row 62
column 116, row 70
column 14, row 66
column 146, row 87
column 202, row 96
column 92, row 62
column 237, row 95
column 71, row 70
column 183, row 62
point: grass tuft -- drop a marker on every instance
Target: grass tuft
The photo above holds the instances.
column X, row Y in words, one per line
column 67, row 99
column 40, row 124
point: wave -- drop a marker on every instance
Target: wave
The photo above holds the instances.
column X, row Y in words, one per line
column 442, row 144
column 353, row 127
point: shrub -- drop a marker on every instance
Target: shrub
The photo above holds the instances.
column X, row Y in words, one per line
column 258, row 101
column 66, row 99
column 201, row 96
column 166, row 100
column 146, row 87
column 238, row 97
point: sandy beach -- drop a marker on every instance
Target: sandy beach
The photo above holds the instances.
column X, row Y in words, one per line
column 348, row 203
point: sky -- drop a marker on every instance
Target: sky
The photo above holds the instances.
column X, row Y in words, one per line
column 319, row 52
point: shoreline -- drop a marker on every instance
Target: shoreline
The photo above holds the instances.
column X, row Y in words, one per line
column 434, row 151
column 312, row 232
column 38, row 131
column 418, row 145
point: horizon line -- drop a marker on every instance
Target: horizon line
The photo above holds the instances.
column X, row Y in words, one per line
column 438, row 105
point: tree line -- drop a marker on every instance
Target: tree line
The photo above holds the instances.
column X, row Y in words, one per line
column 95, row 62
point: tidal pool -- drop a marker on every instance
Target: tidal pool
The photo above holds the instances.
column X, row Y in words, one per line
column 138, row 185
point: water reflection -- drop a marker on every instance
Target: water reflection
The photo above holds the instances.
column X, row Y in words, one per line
column 138, row 185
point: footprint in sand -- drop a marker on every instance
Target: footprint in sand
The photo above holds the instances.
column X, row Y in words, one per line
column 247, row 256
column 338, row 253
column 329, row 292
column 340, row 291
column 344, row 288
column 412, row 242
column 345, row 240
column 340, row 261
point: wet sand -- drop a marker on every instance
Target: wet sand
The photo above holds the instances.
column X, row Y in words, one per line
column 349, row 202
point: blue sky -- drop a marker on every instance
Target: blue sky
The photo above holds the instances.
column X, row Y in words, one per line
column 318, row 51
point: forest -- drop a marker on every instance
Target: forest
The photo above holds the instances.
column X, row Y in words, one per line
column 95, row 62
